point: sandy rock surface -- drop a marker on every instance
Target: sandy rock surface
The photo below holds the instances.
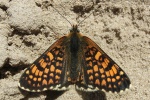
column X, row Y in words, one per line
column 120, row 28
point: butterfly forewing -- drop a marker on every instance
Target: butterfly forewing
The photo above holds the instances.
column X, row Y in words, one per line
column 100, row 71
column 48, row 71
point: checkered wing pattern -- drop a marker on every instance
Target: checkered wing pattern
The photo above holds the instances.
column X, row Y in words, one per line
column 100, row 72
column 48, row 71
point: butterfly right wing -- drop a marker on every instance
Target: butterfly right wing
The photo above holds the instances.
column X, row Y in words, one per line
column 99, row 71
column 48, row 72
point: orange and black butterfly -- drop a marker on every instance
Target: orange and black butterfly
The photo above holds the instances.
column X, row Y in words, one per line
column 74, row 59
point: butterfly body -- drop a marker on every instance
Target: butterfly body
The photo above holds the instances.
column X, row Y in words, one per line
column 74, row 59
column 74, row 48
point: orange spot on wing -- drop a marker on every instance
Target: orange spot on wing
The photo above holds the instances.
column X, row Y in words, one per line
column 111, row 72
column 40, row 73
column 108, row 79
column 27, row 72
column 57, row 63
column 34, row 79
column 121, row 72
column 88, row 58
column 91, row 77
column 97, row 82
column 52, row 68
column 50, row 55
column 116, row 66
column 60, row 64
column 29, row 82
column 109, row 86
column 104, row 65
column 58, row 58
column 30, row 76
column 119, row 83
column 50, row 81
column 48, row 63
column 43, row 65
column 51, row 74
column 45, row 76
column 56, row 81
column 58, row 71
column 33, row 85
column 41, row 60
column 98, row 54
column 115, row 86
column 44, row 82
column 69, row 79
column 96, row 74
column 99, row 63
column 56, row 52
column 46, row 70
column 91, row 52
column 34, row 69
column 39, row 79
column 106, row 61
column 114, row 69
column 37, row 72
column 113, row 79
column 95, row 68
column 117, row 77
column 101, row 70
column 102, row 76
column 89, row 71
column 103, row 82
column 90, row 64
column 57, row 77
column 107, row 73
column 38, row 85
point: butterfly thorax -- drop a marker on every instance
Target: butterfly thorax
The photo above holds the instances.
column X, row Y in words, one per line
column 74, row 40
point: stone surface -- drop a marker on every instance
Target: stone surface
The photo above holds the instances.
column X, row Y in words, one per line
column 4, row 31
column 29, row 27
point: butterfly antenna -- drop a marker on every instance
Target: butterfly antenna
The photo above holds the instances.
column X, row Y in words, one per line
column 85, row 18
column 62, row 15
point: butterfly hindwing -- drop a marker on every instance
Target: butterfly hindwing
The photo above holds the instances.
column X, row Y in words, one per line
column 100, row 72
column 48, row 71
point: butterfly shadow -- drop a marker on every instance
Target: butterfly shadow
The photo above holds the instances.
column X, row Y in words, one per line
column 98, row 95
column 50, row 95
column 53, row 95
column 27, row 95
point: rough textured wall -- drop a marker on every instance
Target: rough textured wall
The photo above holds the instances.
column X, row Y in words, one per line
column 120, row 27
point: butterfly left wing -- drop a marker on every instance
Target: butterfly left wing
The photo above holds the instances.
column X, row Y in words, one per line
column 48, row 72
column 99, row 71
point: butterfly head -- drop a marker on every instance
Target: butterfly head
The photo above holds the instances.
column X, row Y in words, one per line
column 74, row 29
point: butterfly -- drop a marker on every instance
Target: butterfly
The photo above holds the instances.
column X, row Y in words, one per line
column 74, row 59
